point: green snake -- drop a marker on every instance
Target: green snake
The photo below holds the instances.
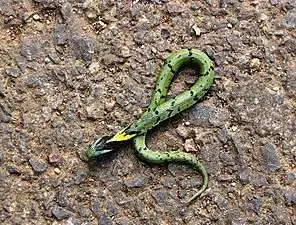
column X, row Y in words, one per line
column 161, row 109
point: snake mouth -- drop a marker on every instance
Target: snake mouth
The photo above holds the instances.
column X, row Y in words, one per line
column 100, row 147
column 92, row 152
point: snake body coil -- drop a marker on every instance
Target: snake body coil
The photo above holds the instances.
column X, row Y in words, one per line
column 161, row 109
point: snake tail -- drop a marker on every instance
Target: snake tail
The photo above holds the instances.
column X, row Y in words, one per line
column 175, row 156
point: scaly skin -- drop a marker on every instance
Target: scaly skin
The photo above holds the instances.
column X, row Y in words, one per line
column 161, row 109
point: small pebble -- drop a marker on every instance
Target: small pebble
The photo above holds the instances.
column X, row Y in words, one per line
column 57, row 170
column 54, row 157
column 271, row 160
column 60, row 213
column 105, row 219
column 233, row 184
column 103, row 25
column 234, row 128
column 125, row 52
column 13, row 72
column 255, row 64
column 47, row 60
column 109, row 105
column 182, row 131
column 36, row 17
column 37, row 164
column 13, row 170
column 80, row 177
column 190, row 145
column 137, row 182
column 196, row 30
column 91, row 14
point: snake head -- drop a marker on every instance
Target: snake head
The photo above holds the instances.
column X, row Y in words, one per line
column 99, row 147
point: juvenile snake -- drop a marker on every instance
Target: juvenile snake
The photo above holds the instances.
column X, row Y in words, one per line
column 161, row 109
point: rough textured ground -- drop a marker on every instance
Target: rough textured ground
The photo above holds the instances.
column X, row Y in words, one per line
column 72, row 71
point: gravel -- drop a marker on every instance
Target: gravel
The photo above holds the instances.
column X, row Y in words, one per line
column 105, row 219
column 73, row 71
column 271, row 161
column 60, row 213
column 37, row 164
column 61, row 34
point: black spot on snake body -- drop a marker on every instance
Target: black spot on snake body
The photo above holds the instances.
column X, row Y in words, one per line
column 157, row 119
column 197, row 97
column 133, row 132
column 171, row 68
column 156, row 112
column 170, row 112
column 206, row 73
column 190, row 53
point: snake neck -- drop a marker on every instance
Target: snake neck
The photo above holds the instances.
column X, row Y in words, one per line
column 126, row 133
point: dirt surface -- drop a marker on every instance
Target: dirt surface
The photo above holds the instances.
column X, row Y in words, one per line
column 72, row 71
